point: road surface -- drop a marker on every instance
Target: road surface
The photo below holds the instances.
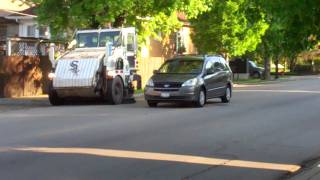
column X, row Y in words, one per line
column 266, row 132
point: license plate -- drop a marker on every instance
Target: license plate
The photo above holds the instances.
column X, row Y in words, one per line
column 165, row 95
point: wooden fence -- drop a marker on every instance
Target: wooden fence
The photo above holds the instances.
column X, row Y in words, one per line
column 24, row 75
column 146, row 67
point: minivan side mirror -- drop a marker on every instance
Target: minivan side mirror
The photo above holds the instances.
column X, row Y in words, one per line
column 209, row 71
column 217, row 69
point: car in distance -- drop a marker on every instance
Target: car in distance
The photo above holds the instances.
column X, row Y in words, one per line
column 254, row 70
column 191, row 79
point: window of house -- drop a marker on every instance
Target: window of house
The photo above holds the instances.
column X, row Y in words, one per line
column 42, row 31
column 3, row 32
column 31, row 30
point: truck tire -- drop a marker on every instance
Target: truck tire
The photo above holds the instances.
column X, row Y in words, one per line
column 54, row 99
column 115, row 90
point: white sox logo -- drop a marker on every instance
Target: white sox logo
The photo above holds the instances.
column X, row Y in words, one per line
column 74, row 67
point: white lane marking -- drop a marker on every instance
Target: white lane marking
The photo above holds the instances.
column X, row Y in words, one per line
column 164, row 157
column 280, row 91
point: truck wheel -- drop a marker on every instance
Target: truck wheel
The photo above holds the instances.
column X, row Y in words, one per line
column 54, row 99
column 129, row 92
column 115, row 90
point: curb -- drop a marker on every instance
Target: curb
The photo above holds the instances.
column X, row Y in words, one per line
column 309, row 171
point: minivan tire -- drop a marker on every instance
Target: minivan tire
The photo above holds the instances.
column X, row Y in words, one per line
column 227, row 95
column 201, row 98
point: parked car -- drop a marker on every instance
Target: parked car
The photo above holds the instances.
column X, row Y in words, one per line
column 192, row 79
column 254, row 70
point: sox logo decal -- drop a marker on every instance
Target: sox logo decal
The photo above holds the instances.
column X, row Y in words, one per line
column 74, row 67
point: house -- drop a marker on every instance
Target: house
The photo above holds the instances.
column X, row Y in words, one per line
column 27, row 24
column 156, row 52
column 19, row 21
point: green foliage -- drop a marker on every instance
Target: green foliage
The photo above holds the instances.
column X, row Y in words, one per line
column 231, row 26
column 149, row 16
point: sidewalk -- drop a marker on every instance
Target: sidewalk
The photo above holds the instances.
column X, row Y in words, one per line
column 33, row 100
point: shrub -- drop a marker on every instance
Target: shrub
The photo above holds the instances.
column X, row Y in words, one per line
column 303, row 69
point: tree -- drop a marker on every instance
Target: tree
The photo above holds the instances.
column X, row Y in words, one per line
column 292, row 23
column 231, row 26
column 149, row 16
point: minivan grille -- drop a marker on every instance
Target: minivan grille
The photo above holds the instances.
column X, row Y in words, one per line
column 167, row 86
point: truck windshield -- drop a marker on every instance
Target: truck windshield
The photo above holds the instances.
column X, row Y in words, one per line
column 181, row 66
column 87, row 40
column 95, row 39
column 108, row 37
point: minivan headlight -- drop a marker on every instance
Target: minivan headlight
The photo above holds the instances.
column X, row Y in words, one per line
column 190, row 82
column 150, row 83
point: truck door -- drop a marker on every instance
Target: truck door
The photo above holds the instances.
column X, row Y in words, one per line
column 130, row 42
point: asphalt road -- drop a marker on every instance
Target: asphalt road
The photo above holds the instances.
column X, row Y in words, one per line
column 263, row 132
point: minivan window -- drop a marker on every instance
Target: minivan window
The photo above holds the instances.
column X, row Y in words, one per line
column 182, row 66
column 209, row 67
column 224, row 64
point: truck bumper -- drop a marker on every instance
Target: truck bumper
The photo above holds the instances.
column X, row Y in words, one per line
column 76, row 92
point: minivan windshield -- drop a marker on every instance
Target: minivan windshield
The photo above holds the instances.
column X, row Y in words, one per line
column 182, row 66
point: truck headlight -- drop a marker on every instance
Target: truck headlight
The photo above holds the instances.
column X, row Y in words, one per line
column 150, row 83
column 190, row 82
column 51, row 75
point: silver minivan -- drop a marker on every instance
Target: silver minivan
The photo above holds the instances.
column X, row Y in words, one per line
column 192, row 79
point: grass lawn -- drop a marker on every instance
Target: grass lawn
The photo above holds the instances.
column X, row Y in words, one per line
column 138, row 91
column 260, row 81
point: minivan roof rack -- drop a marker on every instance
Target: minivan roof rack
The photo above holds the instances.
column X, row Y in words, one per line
column 188, row 55
column 199, row 55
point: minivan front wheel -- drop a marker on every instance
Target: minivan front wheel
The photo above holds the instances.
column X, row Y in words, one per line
column 227, row 96
column 201, row 99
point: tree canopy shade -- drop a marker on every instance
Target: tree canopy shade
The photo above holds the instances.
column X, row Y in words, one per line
column 231, row 26
column 148, row 16
column 270, row 29
column 294, row 27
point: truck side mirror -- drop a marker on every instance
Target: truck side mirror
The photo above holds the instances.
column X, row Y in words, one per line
column 72, row 44
column 109, row 47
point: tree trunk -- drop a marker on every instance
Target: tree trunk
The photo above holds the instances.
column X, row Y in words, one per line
column 277, row 68
column 267, row 68
column 292, row 65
